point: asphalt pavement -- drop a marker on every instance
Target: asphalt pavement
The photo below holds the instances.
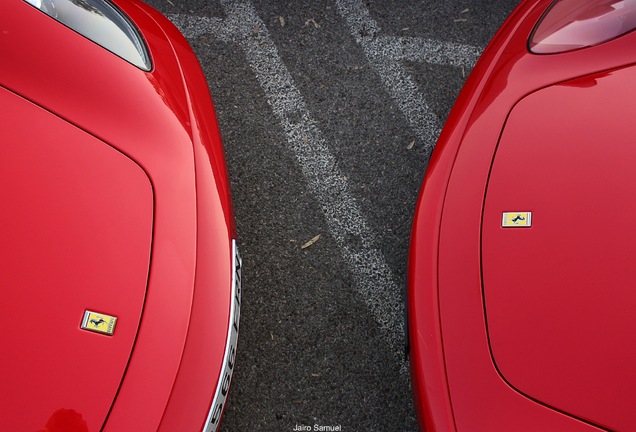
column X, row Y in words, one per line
column 328, row 110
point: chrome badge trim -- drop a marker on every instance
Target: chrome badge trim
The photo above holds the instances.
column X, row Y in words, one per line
column 516, row 220
column 225, row 377
column 99, row 323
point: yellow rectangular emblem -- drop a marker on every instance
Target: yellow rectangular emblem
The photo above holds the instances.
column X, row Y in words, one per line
column 99, row 323
column 516, row 219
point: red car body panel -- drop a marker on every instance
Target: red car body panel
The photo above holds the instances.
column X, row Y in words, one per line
column 455, row 311
column 51, row 171
column 567, row 330
column 164, row 122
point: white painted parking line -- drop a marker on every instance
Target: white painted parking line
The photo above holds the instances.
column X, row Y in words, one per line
column 373, row 278
column 385, row 53
column 418, row 49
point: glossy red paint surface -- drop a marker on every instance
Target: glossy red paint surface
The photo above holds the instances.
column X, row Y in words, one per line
column 164, row 122
column 457, row 383
column 64, row 252
column 567, row 330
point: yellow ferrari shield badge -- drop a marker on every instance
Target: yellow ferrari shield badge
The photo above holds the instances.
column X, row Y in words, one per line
column 516, row 220
column 99, row 323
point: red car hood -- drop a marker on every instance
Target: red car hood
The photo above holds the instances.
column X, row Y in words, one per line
column 529, row 328
column 559, row 296
column 76, row 236
column 97, row 163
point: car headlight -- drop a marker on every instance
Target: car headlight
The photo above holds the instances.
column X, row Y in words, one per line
column 101, row 22
column 572, row 24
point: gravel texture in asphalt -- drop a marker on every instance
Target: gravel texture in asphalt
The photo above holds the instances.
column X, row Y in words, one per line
column 328, row 110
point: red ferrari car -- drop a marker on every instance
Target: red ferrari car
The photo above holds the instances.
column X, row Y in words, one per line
column 522, row 283
column 120, row 276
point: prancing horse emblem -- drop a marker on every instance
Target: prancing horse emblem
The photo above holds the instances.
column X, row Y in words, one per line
column 99, row 323
column 516, row 220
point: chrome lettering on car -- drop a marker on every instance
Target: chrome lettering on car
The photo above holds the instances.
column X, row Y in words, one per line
column 225, row 378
